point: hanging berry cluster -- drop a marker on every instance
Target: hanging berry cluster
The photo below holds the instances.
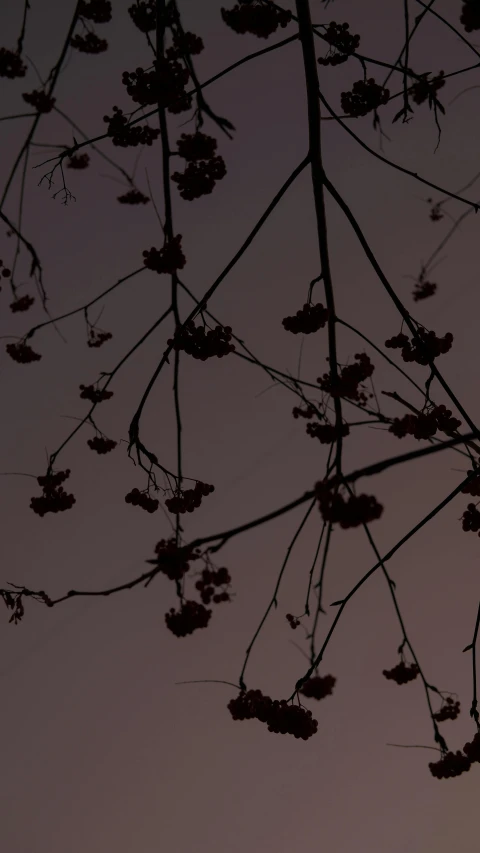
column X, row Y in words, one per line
column 473, row 487
column 210, row 580
column 318, row 686
column 470, row 17
column 365, row 97
column 200, row 344
column 327, row 433
column 144, row 15
column 204, row 167
column 307, row 320
column 342, row 44
column 172, row 559
column 449, row 711
column 292, row 621
column 39, row 100
column 423, row 348
column 98, row 11
column 95, row 395
column 250, row 16
column 426, row 424
column 424, row 289
column 54, row 498
column 96, row 337
column 350, row 379
column 189, row 618
column 125, row 136
column 4, row 271
column 101, row 444
column 22, row 353
column 471, row 519
column 142, row 499
column 89, row 43
column 78, row 161
column 23, row 303
column 189, row 499
column 309, row 412
column 164, row 85
column 168, row 259
column 402, row 673
column 353, row 512
column 280, row 716
column 451, row 764
column 133, row 197
column 11, row 64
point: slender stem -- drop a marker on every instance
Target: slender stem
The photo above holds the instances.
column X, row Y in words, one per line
column 316, row 165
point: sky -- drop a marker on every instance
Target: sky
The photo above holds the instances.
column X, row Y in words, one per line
column 102, row 748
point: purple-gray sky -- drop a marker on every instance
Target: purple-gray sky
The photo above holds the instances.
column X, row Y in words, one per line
column 101, row 750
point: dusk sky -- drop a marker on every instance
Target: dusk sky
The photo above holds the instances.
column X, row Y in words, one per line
column 102, row 749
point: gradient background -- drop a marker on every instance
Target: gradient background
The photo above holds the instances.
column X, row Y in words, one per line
column 100, row 749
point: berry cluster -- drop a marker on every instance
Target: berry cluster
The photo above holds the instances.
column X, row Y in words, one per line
column 142, row 499
column 402, row 673
column 435, row 211
column 366, row 95
column 343, row 42
column 133, row 197
column 248, row 16
column 349, row 380
column 95, row 395
column 423, row 348
column 164, row 84
column 473, row 487
column 96, row 338
column 279, row 716
column 98, row 11
column 78, row 161
column 124, row 136
column 200, row 344
column 190, row 499
column 188, row 619
column 144, row 15
column 173, row 560
column 326, row 433
column 318, row 687
column 210, row 579
column 4, row 271
column 22, row 304
column 451, row 764
column 39, row 100
column 54, row 497
column 11, row 64
column 204, row 167
column 22, row 353
column 425, row 424
column 308, row 319
column 101, row 444
column 292, row 621
column 168, row 259
column 472, row 749
column 309, row 412
column 471, row 519
column 425, row 89
column 449, row 711
column 470, row 17
column 185, row 43
column 423, row 289
column 89, row 43
column 353, row 512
